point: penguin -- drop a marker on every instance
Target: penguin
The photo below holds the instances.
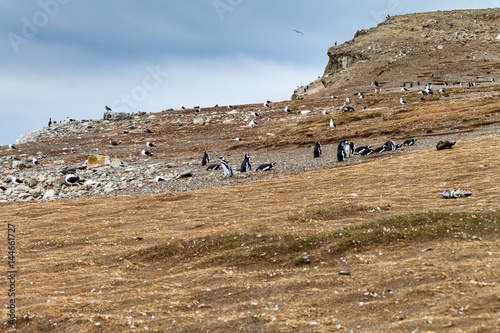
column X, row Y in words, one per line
column 213, row 167
column 361, row 150
column 380, row 149
column 150, row 144
column 391, row 145
column 147, row 153
column 409, row 142
column 343, row 151
column 332, row 125
column 266, row 167
column 206, row 159
column 246, row 165
column 317, row 149
column 228, row 171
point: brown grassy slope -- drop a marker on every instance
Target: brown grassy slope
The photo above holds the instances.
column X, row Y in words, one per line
column 80, row 263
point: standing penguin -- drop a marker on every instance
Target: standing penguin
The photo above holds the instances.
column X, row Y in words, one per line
column 246, row 165
column 317, row 149
column 228, row 171
column 206, row 159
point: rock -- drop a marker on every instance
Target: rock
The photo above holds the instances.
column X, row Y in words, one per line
column 111, row 115
column 19, row 164
column 117, row 163
column 171, row 165
column 96, row 161
column 22, row 188
column 187, row 173
column 31, row 182
column 50, row 194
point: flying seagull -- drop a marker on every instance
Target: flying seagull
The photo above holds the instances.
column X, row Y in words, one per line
column 297, row 31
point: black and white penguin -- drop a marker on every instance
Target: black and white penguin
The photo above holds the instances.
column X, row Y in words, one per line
column 150, row 144
column 71, row 179
column 35, row 162
column 252, row 124
column 332, row 125
column 366, row 151
column 391, row 145
column 228, row 172
column 361, row 150
column 213, row 167
column 12, row 146
column 343, row 150
column 50, row 122
column 73, row 150
column 3, row 188
column 206, row 159
column 402, row 101
column 287, row 109
column 317, row 149
column 147, row 153
column 246, row 165
column 380, row 149
column 409, row 142
column 352, row 148
column 255, row 114
column 266, row 167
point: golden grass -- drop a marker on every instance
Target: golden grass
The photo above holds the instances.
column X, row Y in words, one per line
column 265, row 256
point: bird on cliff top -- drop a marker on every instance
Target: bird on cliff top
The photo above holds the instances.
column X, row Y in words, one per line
column 108, row 108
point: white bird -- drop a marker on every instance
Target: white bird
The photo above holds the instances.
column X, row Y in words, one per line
column 324, row 112
column 347, row 100
column 73, row 150
column 252, row 124
column 150, row 144
column 332, row 125
column 255, row 114
column 361, row 96
column 147, row 153
column 287, row 109
column 12, row 147
column 404, row 89
column 35, row 162
column 238, row 139
column 402, row 101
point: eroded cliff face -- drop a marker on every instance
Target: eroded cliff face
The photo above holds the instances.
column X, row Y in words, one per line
column 452, row 46
column 340, row 59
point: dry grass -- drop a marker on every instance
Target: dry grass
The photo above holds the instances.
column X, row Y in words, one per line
column 265, row 256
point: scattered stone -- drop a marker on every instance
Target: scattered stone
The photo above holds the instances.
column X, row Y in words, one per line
column 187, row 173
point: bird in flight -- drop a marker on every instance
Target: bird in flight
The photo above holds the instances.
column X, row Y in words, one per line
column 297, row 31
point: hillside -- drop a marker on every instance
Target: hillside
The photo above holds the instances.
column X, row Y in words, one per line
column 435, row 47
column 315, row 245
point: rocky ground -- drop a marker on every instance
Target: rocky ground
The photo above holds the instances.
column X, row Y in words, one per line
column 181, row 137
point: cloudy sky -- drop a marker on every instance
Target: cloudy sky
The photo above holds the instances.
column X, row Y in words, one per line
column 63, row 58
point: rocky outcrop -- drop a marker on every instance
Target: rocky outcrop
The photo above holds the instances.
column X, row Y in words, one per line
column 411, row 48
column 111, row 115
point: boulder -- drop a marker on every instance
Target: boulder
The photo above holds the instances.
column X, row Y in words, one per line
column 96, row 161
column 50, row 194
column 111, row 115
